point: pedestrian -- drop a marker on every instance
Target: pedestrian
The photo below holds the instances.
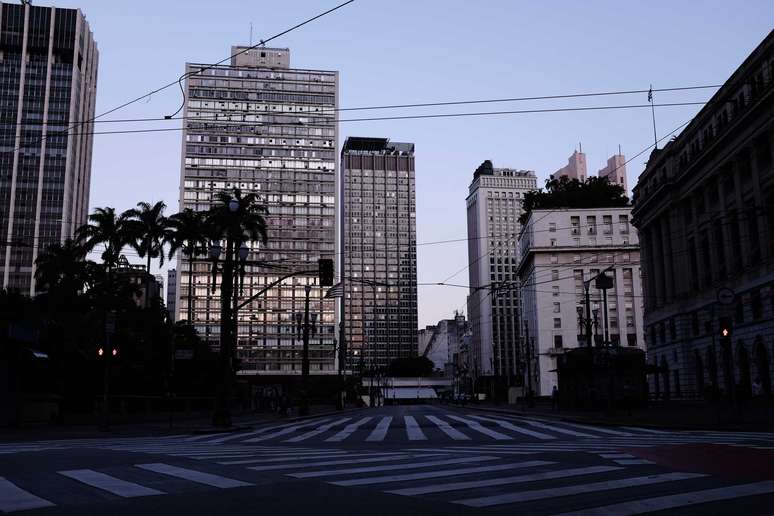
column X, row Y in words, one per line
column 555, row 398
column 757, row 387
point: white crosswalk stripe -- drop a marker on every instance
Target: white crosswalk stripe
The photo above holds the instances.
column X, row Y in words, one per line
column 348, row 430
column 555, row 428
column 371, row 469
column 514, row 428
column 380, row 432
column 519, row 479
column 317, row 431
column 284, row 458
column 474, row 425
column 539, row 494
column 384, row 458
column 413, row 430
column 283, row 431
column 13, row 498
column 194, row 475
column 446, row 428
column 109, row 483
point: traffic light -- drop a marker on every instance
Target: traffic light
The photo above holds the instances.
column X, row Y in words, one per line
column 725, row 327
column 326, row 272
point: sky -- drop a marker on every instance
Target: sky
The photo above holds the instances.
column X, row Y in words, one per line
column 408, row 51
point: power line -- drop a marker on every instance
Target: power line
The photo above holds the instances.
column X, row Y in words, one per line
column 177, row 81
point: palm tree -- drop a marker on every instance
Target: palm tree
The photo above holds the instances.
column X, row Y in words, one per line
column 237, row 217
column 107, row 228
column 189, row 234
column 148, row 233
column 63, row 269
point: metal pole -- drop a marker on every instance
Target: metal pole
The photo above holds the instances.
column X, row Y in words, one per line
column 222, row 415
column 305, row 357
column 606, row 332
column 588, row 311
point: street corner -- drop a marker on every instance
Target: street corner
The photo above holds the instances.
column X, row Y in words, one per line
column 738, row 461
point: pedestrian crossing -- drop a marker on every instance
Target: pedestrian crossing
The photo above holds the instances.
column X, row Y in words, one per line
column 600, row 482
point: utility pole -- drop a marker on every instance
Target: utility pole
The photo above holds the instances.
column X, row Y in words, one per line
column 305, row 357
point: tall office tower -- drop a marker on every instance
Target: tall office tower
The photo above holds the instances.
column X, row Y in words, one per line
column 615, row 171
column 48, row 83
column 494, row 205
column 261, row 126
column 575, row 168
column 379, row 251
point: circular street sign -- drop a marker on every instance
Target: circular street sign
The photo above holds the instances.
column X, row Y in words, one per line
column 726, row 296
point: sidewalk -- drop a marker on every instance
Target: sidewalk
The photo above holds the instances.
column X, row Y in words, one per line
column 159, row 426
column 676, row 415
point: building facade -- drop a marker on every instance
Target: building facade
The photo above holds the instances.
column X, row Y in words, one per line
column 48, row 72
column 615, row 171
column 172, row 294
column 261, row 126
column 493, row 209
column 378, row 251
column 575, row 168
column 704, row 209
column 441, row 343
column 560, row 249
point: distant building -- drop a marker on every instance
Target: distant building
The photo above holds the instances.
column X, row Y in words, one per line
column 441, row 343
column 560, row 249
column 261, row 126
column 48, row 65
column 615, row 171
column 172, row 293
column 493, row 208
column 575, row 168
column 704, row 207
column 379, row 254
column 138, row 276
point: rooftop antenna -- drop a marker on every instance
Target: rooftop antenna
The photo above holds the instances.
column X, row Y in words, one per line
column 653, row 114
column 580, row 147
column 251, row 34
column 619, row 150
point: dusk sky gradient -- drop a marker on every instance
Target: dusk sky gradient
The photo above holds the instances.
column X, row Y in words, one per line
column 424, row 51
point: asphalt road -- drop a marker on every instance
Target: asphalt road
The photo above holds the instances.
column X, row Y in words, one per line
column 425, row 460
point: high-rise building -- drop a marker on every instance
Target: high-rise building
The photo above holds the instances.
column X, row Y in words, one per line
column 48, row 83
column 615, row 171
column 172, row 293
column 560, row 249
column 379, row 251
column 493, row 207
column 261, row 126
column 575, row 168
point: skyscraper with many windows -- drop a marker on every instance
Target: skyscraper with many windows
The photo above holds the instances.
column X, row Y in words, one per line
column 494, row 206
column 379, row 251
column 261, row 126
column 48, row 82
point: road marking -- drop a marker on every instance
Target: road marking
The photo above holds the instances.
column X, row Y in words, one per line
column 348, row 430
column 386, row 458
column 660, row 503
column 446, row 428
column 598, row 429
column 283, row 458
column 558, row 429
column 380, row 431
column 413, row 431
column 258, row 432
column 317, row 431
column 646, row 430
column 474, row 425
column 633, row 462
column 284, row 431
column 14, row 498
column 110, row 484
column 514, row 428
column 616, row 456
column 608, row 485
column 475, row 449
column 427, row 474
column 194, row 476
column 371, row 469
column 473, row 484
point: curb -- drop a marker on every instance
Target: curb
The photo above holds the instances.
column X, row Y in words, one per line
column 598, row 422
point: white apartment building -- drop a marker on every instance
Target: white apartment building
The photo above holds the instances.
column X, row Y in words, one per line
column 493, row 209
column 560, row 249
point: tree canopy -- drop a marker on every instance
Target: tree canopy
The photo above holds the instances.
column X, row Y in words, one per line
column 594, row 192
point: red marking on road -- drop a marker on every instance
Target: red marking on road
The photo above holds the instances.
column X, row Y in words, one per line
column 716, row 459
